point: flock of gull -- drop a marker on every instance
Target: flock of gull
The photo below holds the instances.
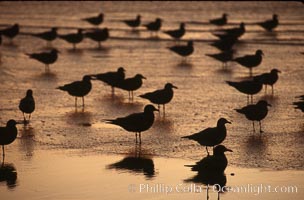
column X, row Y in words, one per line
column 140, row 122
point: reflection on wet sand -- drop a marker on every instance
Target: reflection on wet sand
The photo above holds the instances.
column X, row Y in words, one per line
column 79, row 118
column 27, row 142
column 136, row 162
column 8, row 174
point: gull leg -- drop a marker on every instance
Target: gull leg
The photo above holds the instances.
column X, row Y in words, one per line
column 139, row 138
column 207, row 150
column 253, row 126
column 136, row 137
column 83, row 102
column 3, row 154
column 260, row 127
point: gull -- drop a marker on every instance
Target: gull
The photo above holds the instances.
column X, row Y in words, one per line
column 269, row 25
column 183, row 50
column 177, row 33
column 27, row 104
column 78, row 88
column 95, row 20
column 160, row 97
column 212, row 136
column 219, row 21
column 48, row 36
column 46, row 58
column 268, row 78
column 8, row 134
column 137, row 122
column 131, row 84
column 250, row 61
column 154, row 26
column 224, row 57
column 133, row 23
column 111, row 78
column 255, row 112
column 249, row 87
column 98, row 35
column 10, row 32
column 73, row 38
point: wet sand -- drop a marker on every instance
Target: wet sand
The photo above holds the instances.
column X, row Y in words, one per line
column 74, row 174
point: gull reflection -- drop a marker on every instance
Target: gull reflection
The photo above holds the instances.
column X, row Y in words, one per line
column 8, row 174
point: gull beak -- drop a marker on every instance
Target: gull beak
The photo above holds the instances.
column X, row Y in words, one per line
column 229, row 150
column 268, row 104
column 144, row 77
column 174, row 87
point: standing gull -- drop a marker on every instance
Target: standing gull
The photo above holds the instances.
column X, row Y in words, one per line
column 255, row 112
column 78, row 88
column 98, row 35
column 95, row 20
column 27, row 104
column 177, row 33
column 154, row 26
column 211, row 137
column 111, row 78
column 250, row 61
column 249, row 87
column 137, row 122
column 223, row 57
column 46, row 58
column 219, row 21
column 10, row 32
column 8, row 134
column 131, row 84
column 162, row 96
column 269, row 25
column 268, row 78
column 133, row 23
column 183, row 50
column 48, row 36
column 73, row 38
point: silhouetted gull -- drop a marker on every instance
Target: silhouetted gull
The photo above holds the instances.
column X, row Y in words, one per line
column 133, row 23
column 160, row 97
column 269, row 25
column 219, row 21
column 255, row 112
column 8, row 134
column 131, row 84
column 137, row 122
column 46, row 58
column 95, row 20
column 183, row 50
column 250, row 61
column 211, row 137
column 98, row 35
column 236, row 32
column 73, row 38
column 78, row 88
column 111, row 78
column 215, row 163
column 224, row 57
column 177, row 33
column 225, row 44
column 268, row 78
column 249, row 87
column 154, row 26
column 299, row 104
column 10, row 32
column 27, row 104
column 48, row 36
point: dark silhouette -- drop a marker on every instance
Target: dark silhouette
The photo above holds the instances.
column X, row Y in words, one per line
column 269, row 25
column 95, row 20
column 236, row 32
column 255, row 112
column 154, row 26
column 111, row 78
column 8, row 173
column 183, row 50
column 211, row 137
column 27, row 104
column 223, row 57
column 8, row 134
column 268, row 78
column 250, row 61
column 299, row 104
column 135, row 163
column 160, row 97
column 78, row 88
column 46, row 58
column 133, row 23
column 98, row 35
column 210, row 170
column 177, row 33
column 10, row 32
column 48, row 36
column 249, row 87
column 219, row 21
column 73, row 38
column 137, row 122
column 225, row 44
column 131, row 84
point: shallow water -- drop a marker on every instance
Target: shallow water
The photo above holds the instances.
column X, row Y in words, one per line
column 202, row 95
